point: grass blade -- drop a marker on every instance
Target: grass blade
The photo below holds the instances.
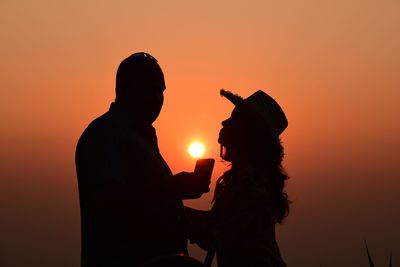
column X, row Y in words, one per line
column 371, row 263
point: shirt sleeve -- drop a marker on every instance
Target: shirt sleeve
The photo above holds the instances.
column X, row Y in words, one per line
column 97, row 160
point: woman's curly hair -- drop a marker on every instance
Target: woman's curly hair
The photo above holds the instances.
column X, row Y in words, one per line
column 265, row 151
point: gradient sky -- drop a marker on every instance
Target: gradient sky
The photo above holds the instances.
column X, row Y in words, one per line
column 332, row 65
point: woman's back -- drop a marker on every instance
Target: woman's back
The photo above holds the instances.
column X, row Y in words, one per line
column 244, row 215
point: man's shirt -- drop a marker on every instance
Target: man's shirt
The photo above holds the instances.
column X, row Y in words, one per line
column 117, row 153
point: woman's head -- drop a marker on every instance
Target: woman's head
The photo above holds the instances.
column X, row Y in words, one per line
column 251, row 133
column 250, row 136
column 244, row 140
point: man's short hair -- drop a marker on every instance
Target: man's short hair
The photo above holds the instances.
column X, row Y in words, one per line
column 136, row 71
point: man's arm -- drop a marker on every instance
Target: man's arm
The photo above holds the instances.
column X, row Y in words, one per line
column 183, row 185
column 110, row 178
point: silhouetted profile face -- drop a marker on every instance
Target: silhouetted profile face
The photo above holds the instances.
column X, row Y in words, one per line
column 248, row 140
column 234, row 135
column 140, row 87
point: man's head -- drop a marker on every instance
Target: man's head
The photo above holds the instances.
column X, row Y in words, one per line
column 140, row 85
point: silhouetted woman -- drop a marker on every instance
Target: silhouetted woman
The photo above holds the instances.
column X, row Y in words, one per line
column 249, row 198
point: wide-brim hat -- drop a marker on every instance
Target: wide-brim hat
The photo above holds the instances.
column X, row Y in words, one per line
column 262, row 106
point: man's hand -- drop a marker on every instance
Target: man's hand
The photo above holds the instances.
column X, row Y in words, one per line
column 192, row 185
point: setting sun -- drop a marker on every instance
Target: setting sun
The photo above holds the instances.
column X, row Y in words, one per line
column 196, row 149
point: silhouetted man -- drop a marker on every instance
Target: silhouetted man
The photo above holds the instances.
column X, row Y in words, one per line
column 131, row 204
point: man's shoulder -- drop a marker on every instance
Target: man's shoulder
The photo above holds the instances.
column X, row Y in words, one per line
column 99, row 128
column 101, row 123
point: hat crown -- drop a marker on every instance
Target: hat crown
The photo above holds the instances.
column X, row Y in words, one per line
column 263, row 106
column 269, row 110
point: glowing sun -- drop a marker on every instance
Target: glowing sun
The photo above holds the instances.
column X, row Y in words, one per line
column 196, row 149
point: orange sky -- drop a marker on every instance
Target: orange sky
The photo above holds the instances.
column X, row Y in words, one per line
column 333, row 66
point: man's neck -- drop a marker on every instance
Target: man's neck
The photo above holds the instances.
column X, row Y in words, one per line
column 128, row 113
